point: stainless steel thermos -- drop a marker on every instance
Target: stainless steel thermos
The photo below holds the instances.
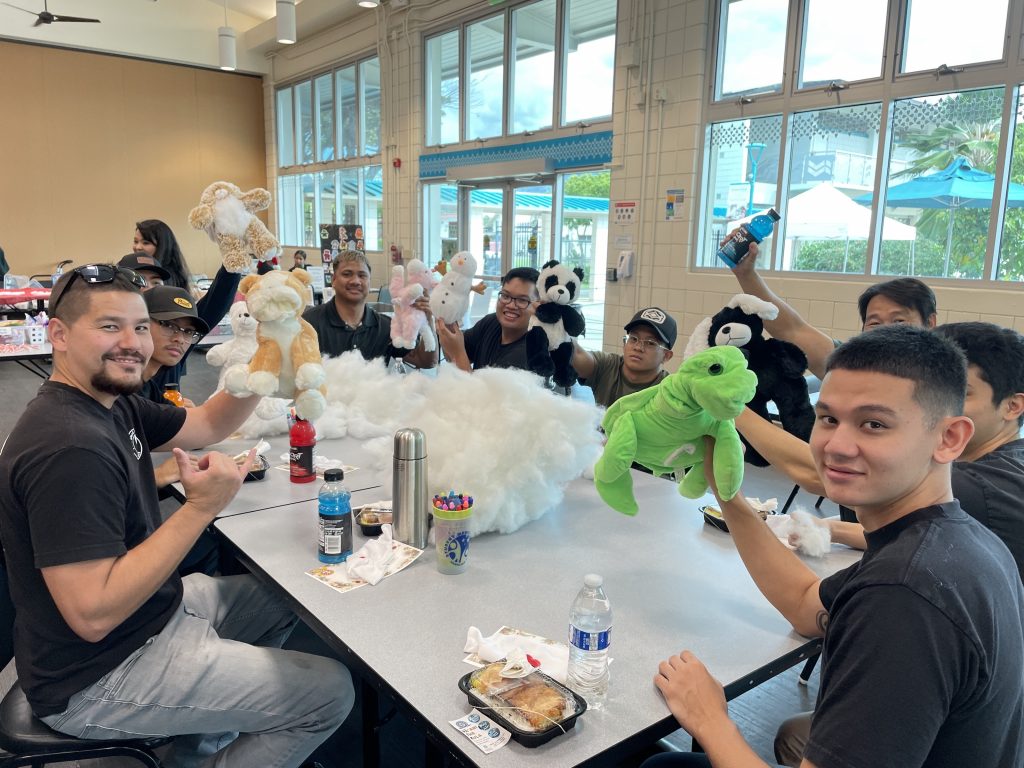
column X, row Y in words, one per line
column 409, row 500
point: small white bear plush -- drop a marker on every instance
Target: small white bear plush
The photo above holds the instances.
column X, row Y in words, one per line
column 238, row 349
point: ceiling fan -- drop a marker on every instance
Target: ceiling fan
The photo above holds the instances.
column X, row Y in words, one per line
column 45, row 17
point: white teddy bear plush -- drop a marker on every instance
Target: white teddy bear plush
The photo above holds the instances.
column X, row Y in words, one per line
column 238, row 349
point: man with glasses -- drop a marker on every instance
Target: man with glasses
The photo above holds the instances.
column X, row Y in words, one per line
column 646, row 347
column 175, row 327
column 110, row 642
column 346, row 322
column 497, row 340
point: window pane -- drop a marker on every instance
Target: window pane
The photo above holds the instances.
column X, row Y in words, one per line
column 440, row 222
column 328, row 185
column 348, row 182
column 531, row 226
column 940, row 182
column 345, row 89
column 304, row 121
column 443, row 89
column 310, row 233
column 843, row 41
column 832, row 156
column 369, row 114
column 753, row 40
column 589, row 60
column 584, row 243
column 742, row 174
column 1010, row 264
column 533, row 66
column 285, row 128
column 486, row 65
column 324, row 117
column 289, row 210
column 939, row 32
column 373, row 208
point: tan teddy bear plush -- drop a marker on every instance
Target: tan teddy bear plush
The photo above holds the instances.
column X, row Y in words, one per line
column 227, row 215
column 287, row 360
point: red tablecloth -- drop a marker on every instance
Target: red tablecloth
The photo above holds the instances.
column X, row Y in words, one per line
column 18, row 295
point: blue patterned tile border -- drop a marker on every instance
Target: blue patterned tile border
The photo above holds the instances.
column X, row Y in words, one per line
column 566, row 152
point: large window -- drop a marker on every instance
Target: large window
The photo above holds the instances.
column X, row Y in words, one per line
column 516, row 75
column 875, row 162
column 328, row 148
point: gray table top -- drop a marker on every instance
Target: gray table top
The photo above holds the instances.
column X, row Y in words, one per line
column 673, row 582
column 276, row 489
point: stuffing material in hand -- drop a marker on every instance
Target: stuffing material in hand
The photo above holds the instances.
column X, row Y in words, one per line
column 803, row 531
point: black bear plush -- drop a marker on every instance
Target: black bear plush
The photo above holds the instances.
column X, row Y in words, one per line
column 548, row 341
column 779, row 365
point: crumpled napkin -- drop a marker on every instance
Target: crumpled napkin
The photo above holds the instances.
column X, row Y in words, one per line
column 801, row 530
column 553, row 657
column 371, row 561
column 321, row 463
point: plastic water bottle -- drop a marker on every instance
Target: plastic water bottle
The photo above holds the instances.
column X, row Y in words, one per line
column 335, row 528
column 754, row 231
column 590, row 629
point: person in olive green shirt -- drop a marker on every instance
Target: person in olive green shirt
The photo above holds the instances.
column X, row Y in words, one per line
column 646, row 347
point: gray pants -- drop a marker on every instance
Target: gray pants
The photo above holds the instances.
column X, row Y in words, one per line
column 216, row 677
column 791, row 739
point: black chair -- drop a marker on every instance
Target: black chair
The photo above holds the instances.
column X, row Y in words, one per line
column 28, row 741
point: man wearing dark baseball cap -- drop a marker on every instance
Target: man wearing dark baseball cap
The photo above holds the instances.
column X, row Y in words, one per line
column 646, row 347
column 176, row 326
column 147, row 266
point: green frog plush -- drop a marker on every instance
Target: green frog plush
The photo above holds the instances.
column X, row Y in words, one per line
column 663, row 428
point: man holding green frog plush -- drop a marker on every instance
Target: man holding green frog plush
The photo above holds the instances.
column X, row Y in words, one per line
column 924, row 638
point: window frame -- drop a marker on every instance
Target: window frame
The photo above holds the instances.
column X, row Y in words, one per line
column 892, row 86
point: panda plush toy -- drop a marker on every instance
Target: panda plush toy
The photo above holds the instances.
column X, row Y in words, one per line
column 779, row 365
column 549, row 336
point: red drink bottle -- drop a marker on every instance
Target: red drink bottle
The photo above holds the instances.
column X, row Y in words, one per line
column 301, row 438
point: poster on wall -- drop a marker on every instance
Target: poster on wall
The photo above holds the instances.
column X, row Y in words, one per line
column 338, row 237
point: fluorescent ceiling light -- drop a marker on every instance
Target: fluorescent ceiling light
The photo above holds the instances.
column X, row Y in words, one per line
column 286, row 22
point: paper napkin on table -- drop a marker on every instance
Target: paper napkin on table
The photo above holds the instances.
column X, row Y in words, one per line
column 370, row 563
column 337, row 576
column 553, row 656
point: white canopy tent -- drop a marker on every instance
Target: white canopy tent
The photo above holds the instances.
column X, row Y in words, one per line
column 825, row 213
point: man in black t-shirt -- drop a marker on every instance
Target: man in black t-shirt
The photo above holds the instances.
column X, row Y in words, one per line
column 923, row 650
column 346, row 322
column 497, row 340
column 109, row 641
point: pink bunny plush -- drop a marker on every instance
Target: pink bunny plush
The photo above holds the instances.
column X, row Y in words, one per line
column 409, row 323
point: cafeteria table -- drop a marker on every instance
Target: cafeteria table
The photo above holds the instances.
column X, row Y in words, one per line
column 673, row 581
column 32, row 358
column 10, row 297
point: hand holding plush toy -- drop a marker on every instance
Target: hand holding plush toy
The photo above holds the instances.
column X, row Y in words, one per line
column 287, row 360
column 409, row 323
column 227, row 215
column 663, row 429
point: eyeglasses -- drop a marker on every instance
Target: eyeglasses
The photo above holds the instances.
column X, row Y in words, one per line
column 93, row 274
column 519, row 302
column 188, row 334
column 646, row 344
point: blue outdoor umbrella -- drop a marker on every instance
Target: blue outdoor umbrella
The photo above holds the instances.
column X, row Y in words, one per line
column 956, row 186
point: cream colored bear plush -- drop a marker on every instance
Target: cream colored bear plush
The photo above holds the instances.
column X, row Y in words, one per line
column 287, row 360
column 226, row 214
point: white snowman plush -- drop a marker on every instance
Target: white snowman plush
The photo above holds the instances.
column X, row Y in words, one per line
column 450, row 299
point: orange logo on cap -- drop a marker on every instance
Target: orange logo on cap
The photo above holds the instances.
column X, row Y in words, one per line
column 183, row 302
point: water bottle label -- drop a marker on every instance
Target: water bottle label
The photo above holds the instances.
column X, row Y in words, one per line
column 590, row 641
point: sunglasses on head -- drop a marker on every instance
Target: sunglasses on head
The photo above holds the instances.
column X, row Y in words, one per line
column 93, row 274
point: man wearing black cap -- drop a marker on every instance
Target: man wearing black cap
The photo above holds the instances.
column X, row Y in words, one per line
column 646, row 347
column 148, row 267
column 175, row 329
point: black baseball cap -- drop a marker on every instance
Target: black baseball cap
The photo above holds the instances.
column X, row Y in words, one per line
column 165, row 302
column 659, row 321
column 140, row 262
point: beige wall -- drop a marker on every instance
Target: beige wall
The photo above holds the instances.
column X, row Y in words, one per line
column 89, row 144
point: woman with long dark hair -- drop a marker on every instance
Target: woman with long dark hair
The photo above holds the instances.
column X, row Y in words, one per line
column 156, row 239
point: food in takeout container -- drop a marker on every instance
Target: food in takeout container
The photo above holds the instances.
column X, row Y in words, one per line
column 534, row 708
column 371, row 517
column 260, row 465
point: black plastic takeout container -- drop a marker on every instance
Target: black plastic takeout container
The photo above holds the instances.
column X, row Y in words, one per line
column 259, row 468
column 526, row 738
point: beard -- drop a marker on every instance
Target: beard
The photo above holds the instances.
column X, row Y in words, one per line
column 104, row 382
